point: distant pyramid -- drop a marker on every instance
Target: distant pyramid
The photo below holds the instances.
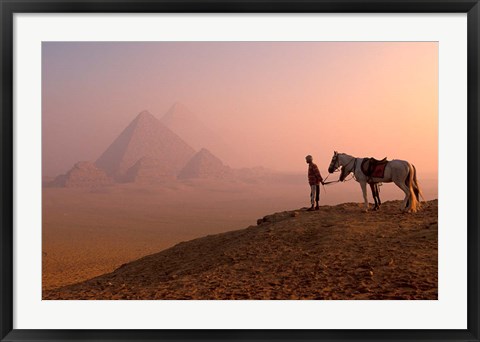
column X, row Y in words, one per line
column 178, row 115
column 148, row 170
column 194, row 131
column 204, row 165
column 83, row 175
column 145, row 136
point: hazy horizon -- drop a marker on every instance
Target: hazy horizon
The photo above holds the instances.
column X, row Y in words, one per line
column 269, row 103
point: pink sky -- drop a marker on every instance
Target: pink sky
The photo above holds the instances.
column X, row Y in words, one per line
column 273, row 102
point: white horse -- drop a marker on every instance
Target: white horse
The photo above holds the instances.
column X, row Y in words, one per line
column 401, row 172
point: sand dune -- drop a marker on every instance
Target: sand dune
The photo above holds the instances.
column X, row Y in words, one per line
column 338, row 252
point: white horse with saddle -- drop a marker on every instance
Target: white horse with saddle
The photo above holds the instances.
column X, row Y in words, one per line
column 372, row 171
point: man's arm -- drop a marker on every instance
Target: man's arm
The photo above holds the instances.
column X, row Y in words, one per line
column 318, row 176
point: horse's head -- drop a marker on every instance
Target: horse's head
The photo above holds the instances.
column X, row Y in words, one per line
column 334, row 164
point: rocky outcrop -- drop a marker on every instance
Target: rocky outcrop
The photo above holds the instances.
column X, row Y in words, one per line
column 327, row 254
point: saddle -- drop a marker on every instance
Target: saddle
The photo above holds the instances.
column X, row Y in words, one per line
column 374, row 168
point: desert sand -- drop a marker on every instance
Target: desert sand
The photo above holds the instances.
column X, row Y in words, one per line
column 89, row 232
column 338, row 252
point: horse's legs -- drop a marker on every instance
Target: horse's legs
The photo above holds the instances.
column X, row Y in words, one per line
column 374, row 189
column 406, row 200
column 374, row 194
column 363, row 185
column 377, row 196
column 377, row 190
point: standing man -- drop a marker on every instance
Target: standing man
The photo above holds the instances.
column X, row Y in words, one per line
column 314, row 179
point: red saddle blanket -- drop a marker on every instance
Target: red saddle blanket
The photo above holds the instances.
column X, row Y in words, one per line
column 378, row 171
column 374, row 168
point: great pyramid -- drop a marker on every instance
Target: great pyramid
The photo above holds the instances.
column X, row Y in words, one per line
column 145, row 136
column 184, row 123
column 205, row 165
column 196, row 133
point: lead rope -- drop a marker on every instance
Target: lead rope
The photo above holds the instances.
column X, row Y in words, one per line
column 326, row 183
column 338, row 180
column 323, row 184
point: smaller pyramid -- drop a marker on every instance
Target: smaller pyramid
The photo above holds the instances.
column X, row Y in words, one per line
column 84, row 174
column 205, row 165
column 148, row 170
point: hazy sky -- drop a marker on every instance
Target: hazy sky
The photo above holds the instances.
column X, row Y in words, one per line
column 274, row 102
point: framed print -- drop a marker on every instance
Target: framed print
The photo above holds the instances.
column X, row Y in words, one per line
column 239, row 170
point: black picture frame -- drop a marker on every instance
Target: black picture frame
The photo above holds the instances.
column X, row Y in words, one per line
column 9, row 7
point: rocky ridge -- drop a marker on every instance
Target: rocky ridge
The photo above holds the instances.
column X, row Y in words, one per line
column 338, row 252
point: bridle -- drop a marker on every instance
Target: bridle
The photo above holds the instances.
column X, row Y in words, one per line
column 335, row 162
column 342, row 177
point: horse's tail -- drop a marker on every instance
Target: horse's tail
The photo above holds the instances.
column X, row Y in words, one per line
column 410, row 181
column 416, row 187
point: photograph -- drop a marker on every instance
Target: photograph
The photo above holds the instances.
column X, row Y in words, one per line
column 239, row 170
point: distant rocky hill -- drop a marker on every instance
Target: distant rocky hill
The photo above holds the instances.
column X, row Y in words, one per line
column 338, row 252
column 145, row 137
column 83, row 174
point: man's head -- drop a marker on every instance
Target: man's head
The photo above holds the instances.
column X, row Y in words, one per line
column 309, row 159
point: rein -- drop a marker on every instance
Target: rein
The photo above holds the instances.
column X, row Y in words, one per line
column 345, row 180
column 332, row 182
column 338, row 180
